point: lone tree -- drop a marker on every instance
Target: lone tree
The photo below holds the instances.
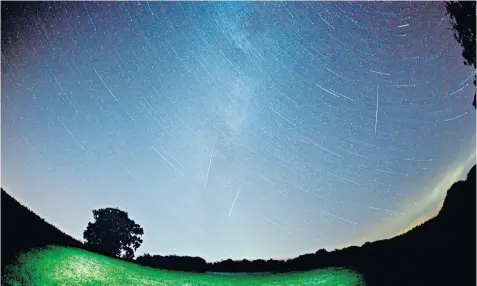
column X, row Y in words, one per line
column 114, row 233
column 462, row 16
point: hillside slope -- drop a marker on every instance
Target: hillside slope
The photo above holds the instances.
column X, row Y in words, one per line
column 441, row 251
column 23, row 230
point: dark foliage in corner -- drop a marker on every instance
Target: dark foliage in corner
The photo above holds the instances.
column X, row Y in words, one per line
column 114, row 233
column 463, row 19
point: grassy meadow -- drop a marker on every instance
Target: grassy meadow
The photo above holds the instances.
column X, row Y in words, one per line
column 70, row 266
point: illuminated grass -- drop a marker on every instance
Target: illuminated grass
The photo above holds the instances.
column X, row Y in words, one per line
column 67, row 266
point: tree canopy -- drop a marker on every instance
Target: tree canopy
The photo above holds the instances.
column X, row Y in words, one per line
column 114, row 233
column 462, row 16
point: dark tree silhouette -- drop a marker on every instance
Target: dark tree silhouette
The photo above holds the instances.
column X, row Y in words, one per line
column 441, row 251
column 113, row 233
column 462, row 15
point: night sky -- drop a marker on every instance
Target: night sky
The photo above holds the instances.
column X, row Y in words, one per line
column 235, row 130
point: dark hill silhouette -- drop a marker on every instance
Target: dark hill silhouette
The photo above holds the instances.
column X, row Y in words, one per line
column 23, row 230
column 441, row 251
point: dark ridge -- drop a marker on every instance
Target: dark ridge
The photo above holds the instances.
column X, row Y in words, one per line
column 441, row 251
column 23, row 230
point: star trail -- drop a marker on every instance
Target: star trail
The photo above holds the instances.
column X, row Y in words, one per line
column 235, row 129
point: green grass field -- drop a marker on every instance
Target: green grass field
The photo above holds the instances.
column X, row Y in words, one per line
column 66, row 266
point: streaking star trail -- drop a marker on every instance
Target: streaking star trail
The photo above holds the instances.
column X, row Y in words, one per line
column 294, row 125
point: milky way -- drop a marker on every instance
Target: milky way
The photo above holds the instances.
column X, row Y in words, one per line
column 231, row 130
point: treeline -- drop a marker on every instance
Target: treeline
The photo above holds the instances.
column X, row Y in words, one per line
column 320, row 259
column 174, row 262
column 441, row 251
